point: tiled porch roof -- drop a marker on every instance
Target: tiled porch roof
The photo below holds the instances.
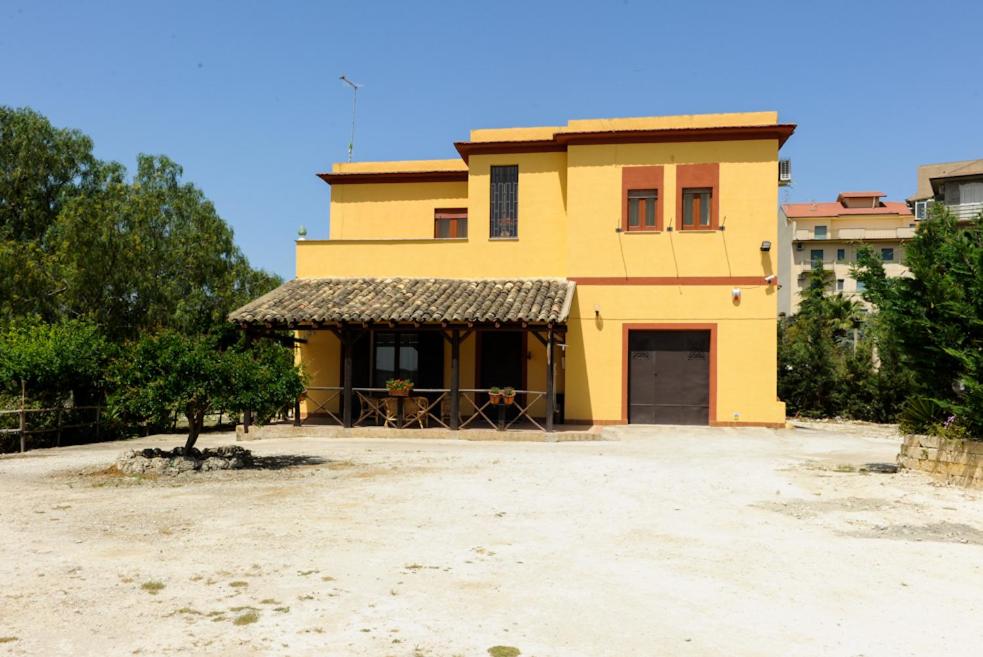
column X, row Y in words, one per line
column 311, row 301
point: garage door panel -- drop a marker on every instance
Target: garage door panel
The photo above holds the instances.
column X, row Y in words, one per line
column 669, row 377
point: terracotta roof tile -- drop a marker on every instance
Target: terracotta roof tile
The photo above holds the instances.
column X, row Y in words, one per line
column 402, row 300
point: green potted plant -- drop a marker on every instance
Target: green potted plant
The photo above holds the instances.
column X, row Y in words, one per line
column 495, row 395
column 399, row 387
column 508, row 395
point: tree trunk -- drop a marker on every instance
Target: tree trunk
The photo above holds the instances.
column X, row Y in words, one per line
column 196, row 419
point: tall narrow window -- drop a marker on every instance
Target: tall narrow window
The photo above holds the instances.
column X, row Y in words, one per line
column 696, row 209
column 820, row 232
column 641, row 209
column 698, row 196
column 641, row 198
column 887, row 254
column 504, row 216
column 816, row 257
column 450, row 223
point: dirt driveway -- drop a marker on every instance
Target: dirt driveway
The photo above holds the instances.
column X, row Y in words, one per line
column 661, row 541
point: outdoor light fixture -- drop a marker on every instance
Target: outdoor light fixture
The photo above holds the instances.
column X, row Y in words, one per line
column 597, row 310
column 771, row 280
column 766, row 246
column 735, row 294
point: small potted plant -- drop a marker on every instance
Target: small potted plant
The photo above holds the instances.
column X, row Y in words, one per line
column 495, row 395
column 508, row 395
column 399, row 387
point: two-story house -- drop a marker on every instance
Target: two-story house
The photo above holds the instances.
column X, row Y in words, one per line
column 831, row 233
column 958, row 185
column 612, row 270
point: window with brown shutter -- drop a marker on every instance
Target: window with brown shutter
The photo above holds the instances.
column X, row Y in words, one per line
column 450, row 223
column 641, row 202
column 698, row 196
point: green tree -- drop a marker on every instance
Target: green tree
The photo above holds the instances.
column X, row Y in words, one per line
column 197, row 375
column 152, row 254
column 935, row 315
column 54, row 360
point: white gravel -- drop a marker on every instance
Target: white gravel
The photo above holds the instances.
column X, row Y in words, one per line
column 662, row 541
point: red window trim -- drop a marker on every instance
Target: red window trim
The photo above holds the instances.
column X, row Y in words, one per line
column 698, row 176
column 455, row 215
column 650, row 177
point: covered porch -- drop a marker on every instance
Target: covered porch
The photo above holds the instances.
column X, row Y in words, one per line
column 456, row 339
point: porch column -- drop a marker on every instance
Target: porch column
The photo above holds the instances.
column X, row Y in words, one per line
column 455, row 379
column 549, row 379
column 346, row 355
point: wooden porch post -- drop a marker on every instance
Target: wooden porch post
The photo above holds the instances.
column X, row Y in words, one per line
column 549, row 379
column 346, row 351
column 455, row 379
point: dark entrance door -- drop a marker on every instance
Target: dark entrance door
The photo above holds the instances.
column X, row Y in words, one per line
column 500, row 359
column 669, row 377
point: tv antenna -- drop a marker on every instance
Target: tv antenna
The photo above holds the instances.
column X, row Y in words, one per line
column 355, row 87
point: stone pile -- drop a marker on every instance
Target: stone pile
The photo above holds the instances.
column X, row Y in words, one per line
column 171, row 462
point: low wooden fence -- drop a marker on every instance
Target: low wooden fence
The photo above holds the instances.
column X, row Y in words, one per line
column 49, row 421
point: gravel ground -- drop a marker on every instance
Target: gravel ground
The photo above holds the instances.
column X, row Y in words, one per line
column 659, row 541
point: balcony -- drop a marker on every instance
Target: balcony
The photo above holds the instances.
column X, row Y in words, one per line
column 858, row 234
column 966, row 211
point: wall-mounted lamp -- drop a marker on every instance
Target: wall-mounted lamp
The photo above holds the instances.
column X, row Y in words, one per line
column 735, row 294
column 302, row 233
column 766, row 246
column 771, row 280
column 597, row 310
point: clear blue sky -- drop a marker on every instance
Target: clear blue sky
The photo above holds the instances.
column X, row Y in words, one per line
column 246, row 95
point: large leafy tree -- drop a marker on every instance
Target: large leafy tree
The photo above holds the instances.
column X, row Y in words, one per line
column 152, row 254
column 197, row 375
column 935, row 315
column 41, row 169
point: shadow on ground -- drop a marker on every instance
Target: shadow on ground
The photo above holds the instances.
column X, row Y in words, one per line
column 284, row 461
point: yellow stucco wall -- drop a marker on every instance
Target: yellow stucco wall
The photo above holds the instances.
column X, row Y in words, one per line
column 569, row 207
column 403, row 210
column 748, row 197
column 746, row 346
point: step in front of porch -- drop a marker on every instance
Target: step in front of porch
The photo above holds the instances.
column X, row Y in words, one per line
column 564, row 433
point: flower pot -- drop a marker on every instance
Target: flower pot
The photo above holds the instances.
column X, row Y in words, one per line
column 495, row 397
column 403, row 392
column 508, row 400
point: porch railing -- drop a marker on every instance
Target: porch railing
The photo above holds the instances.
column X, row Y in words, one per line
column 424, row 407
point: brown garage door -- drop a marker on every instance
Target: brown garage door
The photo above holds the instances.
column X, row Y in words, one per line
column 669, row 377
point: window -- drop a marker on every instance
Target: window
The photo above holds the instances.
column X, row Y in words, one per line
column 641, row 209
column 839, row 284
column 887, row 255
column 450, row 223
column 860, row 286
column 820, row 232
column 840, row 255
column 816, row 256
column 641, row 202
column 417, row 356
column 698, row 196
column 504, row 217
column 696, row 209
column 799, row 246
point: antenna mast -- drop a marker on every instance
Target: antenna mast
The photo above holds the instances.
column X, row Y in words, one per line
column 355, row 87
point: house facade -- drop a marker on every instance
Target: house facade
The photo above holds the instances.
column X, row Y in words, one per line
column 958, row 185
column 831, row 234
column 612, row 270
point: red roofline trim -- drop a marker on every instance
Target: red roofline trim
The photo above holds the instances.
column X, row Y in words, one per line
column 561, row 140
column 363, row 177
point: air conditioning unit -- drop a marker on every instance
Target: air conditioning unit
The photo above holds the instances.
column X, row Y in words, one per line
column 784, row 172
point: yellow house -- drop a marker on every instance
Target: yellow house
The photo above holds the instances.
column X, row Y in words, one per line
column 831, row 233
column 610, row 270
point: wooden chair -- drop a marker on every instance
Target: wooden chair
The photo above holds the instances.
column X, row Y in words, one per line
column 389, row 408
column 415, row 411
